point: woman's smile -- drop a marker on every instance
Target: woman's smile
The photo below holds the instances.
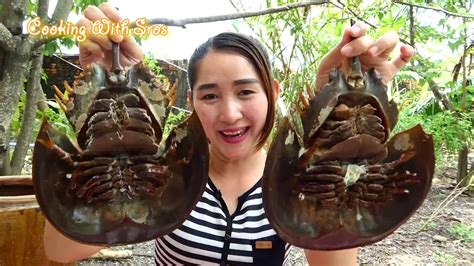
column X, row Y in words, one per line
column 234, row 135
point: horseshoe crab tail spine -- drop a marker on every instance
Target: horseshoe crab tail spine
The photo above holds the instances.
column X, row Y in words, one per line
column 116, row 67
column 356, row 78
column 117, row 76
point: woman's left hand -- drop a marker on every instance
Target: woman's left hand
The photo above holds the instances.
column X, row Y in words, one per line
column 373, row 54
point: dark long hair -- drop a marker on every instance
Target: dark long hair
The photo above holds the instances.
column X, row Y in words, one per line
column 251, row 49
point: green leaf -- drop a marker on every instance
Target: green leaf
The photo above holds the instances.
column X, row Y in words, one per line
column 51, row 47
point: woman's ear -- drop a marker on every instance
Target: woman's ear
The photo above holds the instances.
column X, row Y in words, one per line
column 190, row 99
column 276, row 87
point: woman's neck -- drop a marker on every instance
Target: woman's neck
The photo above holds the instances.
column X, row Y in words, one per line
column 238, row 174
column 235, row 177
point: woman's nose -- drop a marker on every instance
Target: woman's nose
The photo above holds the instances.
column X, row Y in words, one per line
column 230, row 112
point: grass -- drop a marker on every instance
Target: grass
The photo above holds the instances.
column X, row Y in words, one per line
column 462, row 232
column 444, row 258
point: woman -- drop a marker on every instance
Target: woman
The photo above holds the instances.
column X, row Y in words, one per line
column 233, row 93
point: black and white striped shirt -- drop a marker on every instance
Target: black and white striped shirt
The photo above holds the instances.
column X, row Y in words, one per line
column 212, row 236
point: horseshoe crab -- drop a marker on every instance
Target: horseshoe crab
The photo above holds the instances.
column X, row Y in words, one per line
column 119, row 182
column 334, row 179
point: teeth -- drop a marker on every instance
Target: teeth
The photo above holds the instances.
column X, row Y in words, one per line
column 234, row 133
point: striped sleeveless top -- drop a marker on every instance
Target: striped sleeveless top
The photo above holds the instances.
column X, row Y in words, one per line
column 212, row 236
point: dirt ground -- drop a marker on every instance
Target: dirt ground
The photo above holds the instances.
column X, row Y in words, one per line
column 447, row 239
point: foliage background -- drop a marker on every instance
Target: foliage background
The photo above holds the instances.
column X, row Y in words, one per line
column 440, row 31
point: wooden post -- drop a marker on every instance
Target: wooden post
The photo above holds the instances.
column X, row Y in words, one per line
column 21, row 224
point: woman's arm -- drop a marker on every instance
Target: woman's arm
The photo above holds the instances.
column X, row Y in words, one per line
column 345, row 257
column 59, row 248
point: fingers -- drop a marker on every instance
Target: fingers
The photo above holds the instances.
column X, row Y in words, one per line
column 102, row 40
column 89, row 52
column 362, row 43
column 106, row 13
column 98, row 47
column 384, row 45
column 357, row 30
column 93, row 13
column 357, row 46
column 373, row 54
column 128, row 45
column 113, row 14
column 132, row 50
column 355, row 40
column 406, row 53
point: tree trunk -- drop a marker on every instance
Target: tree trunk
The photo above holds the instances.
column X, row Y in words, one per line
column 16, row 49
column 33, row 90
column 464, row 152
column 29, row 116
column 10, row 85
column 15, row 61
column 12, row 15
column 462, row 166
column 42, row 105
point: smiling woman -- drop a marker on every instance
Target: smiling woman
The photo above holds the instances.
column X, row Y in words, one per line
column 251, row 69
column 233, row 94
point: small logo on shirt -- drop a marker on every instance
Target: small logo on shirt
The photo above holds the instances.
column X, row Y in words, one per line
column 263, row 244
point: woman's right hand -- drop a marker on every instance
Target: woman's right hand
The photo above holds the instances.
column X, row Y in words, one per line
column 372, row 53
column 98, row 48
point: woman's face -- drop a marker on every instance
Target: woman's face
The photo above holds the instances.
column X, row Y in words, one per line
column 230, row 102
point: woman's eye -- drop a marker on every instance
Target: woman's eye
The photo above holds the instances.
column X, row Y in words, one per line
column 209, row 97
column 245, row 92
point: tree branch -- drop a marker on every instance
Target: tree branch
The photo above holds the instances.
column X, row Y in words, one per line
column 250, row 25
column 361, row 18
column 353, row 13
column 43, row 6
column 448, row 105
column 184, row 22
column 61, row 12
column 449, row 13
column 412, row 27
column 6, row 39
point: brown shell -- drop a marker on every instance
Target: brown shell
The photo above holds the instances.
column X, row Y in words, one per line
column 122, row 219
column 335, row 219
column 339, row 91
